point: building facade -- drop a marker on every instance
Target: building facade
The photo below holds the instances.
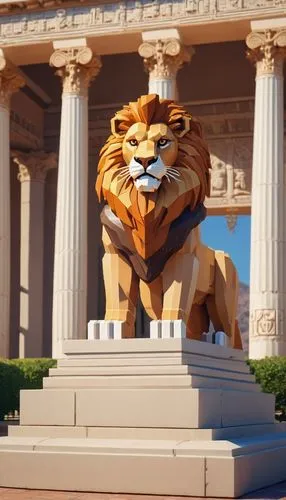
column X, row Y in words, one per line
column 65, row 68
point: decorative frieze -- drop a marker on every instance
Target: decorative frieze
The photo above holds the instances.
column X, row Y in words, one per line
column 77, row 67
column 268, row 50
column 231, row 169
column 107, row 18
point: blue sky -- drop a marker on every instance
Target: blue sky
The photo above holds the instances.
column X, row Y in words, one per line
column 216, row 234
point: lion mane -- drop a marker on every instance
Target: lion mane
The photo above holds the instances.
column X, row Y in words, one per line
column 149, row 215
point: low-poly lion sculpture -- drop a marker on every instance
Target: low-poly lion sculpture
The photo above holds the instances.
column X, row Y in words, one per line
column 154, row 175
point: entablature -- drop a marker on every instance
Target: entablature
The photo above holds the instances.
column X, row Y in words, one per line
column 120, row 24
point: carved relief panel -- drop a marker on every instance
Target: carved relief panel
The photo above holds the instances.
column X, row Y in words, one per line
column 231, row 175
column 263, row 322
column 242, row 165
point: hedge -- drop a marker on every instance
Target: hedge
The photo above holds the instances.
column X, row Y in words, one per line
column 20, row 374
column 17, row 374
column 270, row 373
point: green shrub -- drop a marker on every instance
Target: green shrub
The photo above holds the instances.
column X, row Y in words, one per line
column 17, row 374
column 270, row 373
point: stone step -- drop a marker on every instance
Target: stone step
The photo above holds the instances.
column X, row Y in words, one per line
column 143, row 381
column 175, row 359
column 50, row 431
column 172, row 370
column 151, row 347
column 224, row 469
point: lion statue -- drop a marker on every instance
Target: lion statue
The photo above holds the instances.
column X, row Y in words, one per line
column 153, row 175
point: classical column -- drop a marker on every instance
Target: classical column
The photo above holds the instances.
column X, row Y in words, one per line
column 33, row 168
column 10, row 82
column 162, row 59
column 268, row 220
column 77, row 66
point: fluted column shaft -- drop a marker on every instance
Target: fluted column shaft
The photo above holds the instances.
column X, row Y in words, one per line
column 162, row 60
column 268, row 216
column 33, row 168
column 165, row 87
column 10, row 82
column 76, row 67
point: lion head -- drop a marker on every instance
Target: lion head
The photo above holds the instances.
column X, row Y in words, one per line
column 153, row 166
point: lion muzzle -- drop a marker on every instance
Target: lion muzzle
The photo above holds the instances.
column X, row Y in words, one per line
column 147, row 173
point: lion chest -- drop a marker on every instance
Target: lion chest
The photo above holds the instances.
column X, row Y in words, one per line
column 150, row 268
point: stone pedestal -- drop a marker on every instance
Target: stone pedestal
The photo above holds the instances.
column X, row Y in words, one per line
column 77, row 67
column 268, row 214
column 166, row 416
column 33, row 168
column 10, row 82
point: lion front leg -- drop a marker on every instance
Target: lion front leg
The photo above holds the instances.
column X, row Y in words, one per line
column 179, row 285
column 121, row 288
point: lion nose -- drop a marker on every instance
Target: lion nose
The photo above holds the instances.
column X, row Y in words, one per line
column 146, row 162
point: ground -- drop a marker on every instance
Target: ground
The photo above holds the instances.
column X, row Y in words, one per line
column 277, row 492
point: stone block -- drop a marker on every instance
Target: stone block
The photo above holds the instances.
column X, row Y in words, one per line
column 244, row 408
column 47, row 431
column 236, row 476
column 47, row 407
column 174, row 408
column 238, row 432
column 112, row 473
column 149, row 433
column 20, row 443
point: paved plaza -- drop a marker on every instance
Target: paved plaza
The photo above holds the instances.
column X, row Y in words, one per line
column 276, row 492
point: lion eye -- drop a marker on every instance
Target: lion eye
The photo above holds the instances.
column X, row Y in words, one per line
column 162, row 143
column 133, row 142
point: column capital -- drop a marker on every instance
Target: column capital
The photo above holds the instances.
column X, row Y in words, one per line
column 163, row 58
column 77, row 67
column 35, row 165
column 267, row 50
column 10, row 80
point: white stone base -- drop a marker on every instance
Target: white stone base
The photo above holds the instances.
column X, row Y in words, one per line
column 104, row 330
column 221, row 339
column 167, row 329
column 218, row 338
